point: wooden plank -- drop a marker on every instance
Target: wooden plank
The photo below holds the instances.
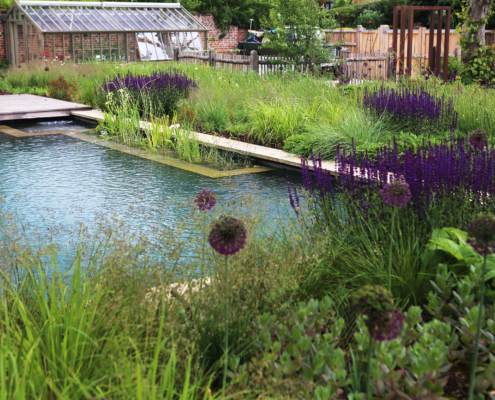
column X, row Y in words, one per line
column 50, row 114
column 446, row 47
column 402, row 40
column 431, row 61
column 410, row 41
column 439, row 43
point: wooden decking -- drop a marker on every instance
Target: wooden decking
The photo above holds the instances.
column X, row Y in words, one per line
column 28, row 106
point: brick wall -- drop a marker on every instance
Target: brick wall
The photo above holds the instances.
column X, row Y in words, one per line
column 228, row 42
column 2, row 41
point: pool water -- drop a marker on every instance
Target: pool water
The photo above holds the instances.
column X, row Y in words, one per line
column 59, row 178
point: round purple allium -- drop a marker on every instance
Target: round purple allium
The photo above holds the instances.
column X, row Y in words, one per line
column 227, row 236
column 383, row 320
column 478, row 138
column 205, row 200
column 47, row 69
column 481, row 234
column 396, row 193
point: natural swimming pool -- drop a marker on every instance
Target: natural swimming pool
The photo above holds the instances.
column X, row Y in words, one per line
column 60, row 180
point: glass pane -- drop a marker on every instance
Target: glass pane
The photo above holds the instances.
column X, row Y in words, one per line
column 49, row 17
column 126, row 15
column 94, row 18
column 118, row 15
column 34, row 14
column 71, row 22
column 105, row 20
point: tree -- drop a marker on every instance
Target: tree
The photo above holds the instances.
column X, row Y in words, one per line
column 230, row 12
column 297, row 38
column 475, row 13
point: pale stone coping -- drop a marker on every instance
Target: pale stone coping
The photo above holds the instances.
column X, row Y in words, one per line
column 252, row 150
column 163, row 159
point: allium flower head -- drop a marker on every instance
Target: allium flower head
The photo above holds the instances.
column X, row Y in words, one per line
column 396, row 193
column 47, row 69
column 478, row 138
column 227, row 236
column 205, row 200
column 382, row 319
column 481, row 234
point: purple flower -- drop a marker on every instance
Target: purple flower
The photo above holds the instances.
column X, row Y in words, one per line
column 205, row 200
column 47, row 69
column 383, row 320
column 481, row 234
column 478, row 138
column 227, row 236
column 396, row 193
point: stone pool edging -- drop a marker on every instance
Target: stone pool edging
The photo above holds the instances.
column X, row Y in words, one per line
column 253, row 150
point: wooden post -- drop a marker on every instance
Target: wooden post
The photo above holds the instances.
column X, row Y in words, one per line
column 396, row 24
column 73, row 52
column 206, row 41
column 421, row 41
column 402, row 40
column 410, row 37
column 176, row 54
column 26, row 43
column 211, row 55
column 63, row 46
column 431, row 51
column 438, row 51
column 126, row 46
column 254, row 59
column 92, row 47
column 433, row 58
column 390, row 63
column 118, row 46
column 344, row 54
column 359, row 37
column 446, row 46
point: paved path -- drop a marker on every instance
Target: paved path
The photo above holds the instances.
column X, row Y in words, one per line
column 253, row 150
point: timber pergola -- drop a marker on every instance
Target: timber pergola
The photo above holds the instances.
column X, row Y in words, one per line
column 80, row 31
column 434, row 52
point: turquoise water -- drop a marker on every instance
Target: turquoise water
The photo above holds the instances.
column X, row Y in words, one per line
column 59, row 180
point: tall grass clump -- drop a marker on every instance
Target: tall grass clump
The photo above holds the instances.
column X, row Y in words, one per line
column 163, row 89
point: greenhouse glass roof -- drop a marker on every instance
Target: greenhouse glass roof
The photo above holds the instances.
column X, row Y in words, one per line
column 76, row 16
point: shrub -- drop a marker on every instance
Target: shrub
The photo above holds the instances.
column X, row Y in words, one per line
column 364, row 18
column 62, row 89
column 413, row 110
column 157, row 94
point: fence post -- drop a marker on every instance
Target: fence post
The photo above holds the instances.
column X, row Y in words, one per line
column 433, row 64
column 176, row 54
column 211, row 54
column 457, row 52
column 359, row 34
column 254, row 59
column 344, row 54
column 390, row 62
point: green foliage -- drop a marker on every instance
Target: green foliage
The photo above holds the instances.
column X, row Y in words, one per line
column 61, row 89
column 375, row 16
column 342, row 3
column 480, row 67
column 228, row 12
column 298, row 38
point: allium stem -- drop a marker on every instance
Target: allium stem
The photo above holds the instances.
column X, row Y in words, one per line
column 478, row 331
column 368, row 369
column 390, row 250
column 203, row 253
column 226, row 355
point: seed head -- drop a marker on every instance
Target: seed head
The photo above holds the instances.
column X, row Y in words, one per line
column 396, row 193
column 481, row 234
column 478, row 138
column 383, row 320
column 205, row 200
column 228, row 235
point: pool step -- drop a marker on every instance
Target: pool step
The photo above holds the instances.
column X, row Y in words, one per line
column 253, row 150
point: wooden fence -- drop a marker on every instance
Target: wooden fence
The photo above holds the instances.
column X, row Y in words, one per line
column 361, row 41
column 232, row 61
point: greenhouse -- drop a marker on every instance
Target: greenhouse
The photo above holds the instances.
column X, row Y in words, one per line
column 102, row 31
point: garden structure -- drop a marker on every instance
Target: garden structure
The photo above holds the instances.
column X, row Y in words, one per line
column 434, row 52
column 83, row 31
